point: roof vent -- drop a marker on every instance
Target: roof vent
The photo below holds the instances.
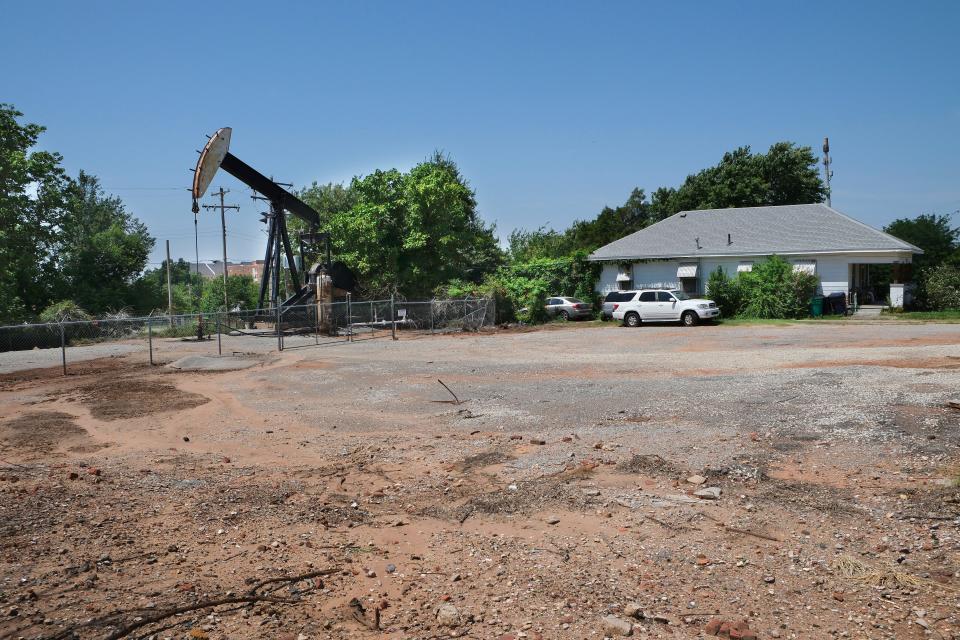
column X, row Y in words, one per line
column 698, row 242
column 729, row 240
column 683, row 215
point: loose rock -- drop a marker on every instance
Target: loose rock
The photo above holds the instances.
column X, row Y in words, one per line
column 448, row 615
column 614, row 626
column 708, row 493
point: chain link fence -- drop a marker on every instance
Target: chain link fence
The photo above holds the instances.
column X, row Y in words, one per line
column 257, row 330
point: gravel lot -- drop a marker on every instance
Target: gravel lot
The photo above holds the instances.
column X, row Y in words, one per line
column 557, row 492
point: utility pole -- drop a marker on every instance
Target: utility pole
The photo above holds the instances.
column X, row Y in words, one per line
column 169, row 288
column 827, row 173
column 223, row 226
column 196, row 245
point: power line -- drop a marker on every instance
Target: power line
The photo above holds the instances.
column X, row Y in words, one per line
column 145, row 189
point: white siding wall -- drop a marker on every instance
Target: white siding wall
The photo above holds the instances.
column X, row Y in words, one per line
column 656, row 274
column 832, row 270
column 608, row 278
column 645, row 274
column 834, row 274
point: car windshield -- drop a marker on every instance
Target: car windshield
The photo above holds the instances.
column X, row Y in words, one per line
column 680, row 295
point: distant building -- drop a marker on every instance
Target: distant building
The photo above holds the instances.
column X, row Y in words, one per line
column 214, row 269
column 253, row 268
column 682, row 250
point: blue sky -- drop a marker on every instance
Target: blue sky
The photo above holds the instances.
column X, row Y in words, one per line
column 552, row 110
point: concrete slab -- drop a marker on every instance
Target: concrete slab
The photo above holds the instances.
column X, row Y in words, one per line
column 212, row 363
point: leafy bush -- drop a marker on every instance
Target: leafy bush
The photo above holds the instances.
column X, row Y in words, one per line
column 520, row 290
column 774, row 290
column 242, row 293
column 771, row 290
column 942, row 287
column 64, row 311
column 491, row 288
column 726, row 292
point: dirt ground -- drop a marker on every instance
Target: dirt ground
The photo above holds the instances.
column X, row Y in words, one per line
column 339, row 491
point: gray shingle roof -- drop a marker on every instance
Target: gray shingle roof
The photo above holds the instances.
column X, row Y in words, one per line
column 787, row 229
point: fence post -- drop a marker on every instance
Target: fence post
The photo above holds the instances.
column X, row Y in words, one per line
column 219, row 344
column 279, row 338
column 349, row 318
column 431, row 315
column 393, row 318
column 63, row 348
column 150, row 339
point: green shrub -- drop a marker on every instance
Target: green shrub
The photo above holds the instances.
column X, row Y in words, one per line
column 64, row 311
column 771, row 290
column 942, row 287
column 726, row 292
column 490, row 288
column 527, row 285
column 774, row 290
column 242, row 293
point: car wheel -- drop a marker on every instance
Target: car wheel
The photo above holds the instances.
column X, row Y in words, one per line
column 632, row 319
column 564, row 316
column 689, row 319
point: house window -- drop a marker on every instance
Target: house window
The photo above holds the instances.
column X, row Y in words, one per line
column 745, row 266
column 624, row 279
column 687, row 275
column 687, row 270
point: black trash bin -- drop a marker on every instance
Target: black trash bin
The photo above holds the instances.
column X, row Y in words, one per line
column 836, row 303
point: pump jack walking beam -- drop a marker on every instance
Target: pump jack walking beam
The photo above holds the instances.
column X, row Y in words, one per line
column 216, row 155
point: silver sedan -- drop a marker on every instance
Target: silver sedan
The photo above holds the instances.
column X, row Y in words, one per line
column 569, row 308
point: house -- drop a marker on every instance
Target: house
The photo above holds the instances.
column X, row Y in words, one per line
column 254, row 269
column 682, row 250
column 207, row 269
column 214, row 268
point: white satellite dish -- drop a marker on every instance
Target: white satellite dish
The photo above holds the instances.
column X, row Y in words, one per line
column 209, row 161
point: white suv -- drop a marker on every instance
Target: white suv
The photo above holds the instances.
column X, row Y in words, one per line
column 664, row 305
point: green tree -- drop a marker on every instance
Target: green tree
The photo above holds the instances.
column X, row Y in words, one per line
column 409, row 233
column 932, row 233
column 242, row 292
column 527, row 285
column 442, row 232
column 102, row 249
column 525, row 245
column 327, row 200
column 369, row 237
column 791, row 175
column 31, row 210
column 942, row 284
column 785, row 174
column 941, row 248
column 150, row 290
column 612, row 223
